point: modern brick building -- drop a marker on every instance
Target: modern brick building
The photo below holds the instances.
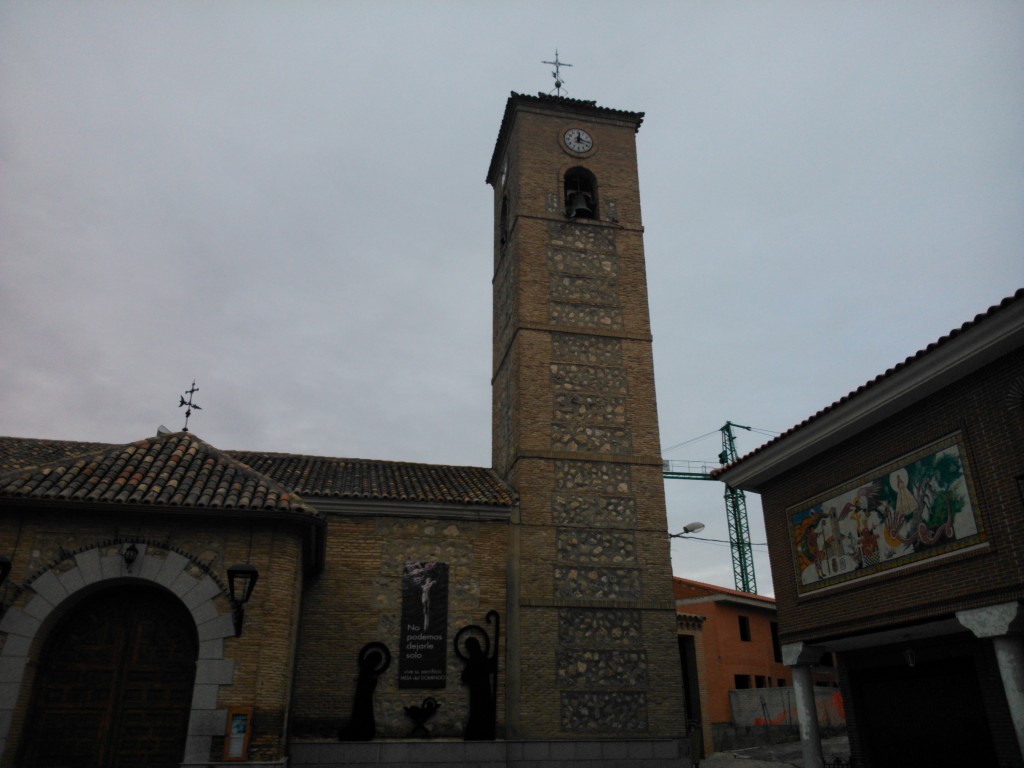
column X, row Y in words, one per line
column 740, row 641
column 389, row 596
column 894, row 521
column 739, row 650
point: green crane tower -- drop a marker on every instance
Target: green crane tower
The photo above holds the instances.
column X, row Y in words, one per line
column 736, row 517
column 735, row 509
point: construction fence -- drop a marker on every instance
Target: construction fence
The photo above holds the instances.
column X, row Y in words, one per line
column 777, row 706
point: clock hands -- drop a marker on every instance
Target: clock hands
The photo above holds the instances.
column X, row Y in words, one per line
column 578, row 140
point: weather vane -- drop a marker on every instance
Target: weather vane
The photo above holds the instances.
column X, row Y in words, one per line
column 191, row 406
column 559, row 82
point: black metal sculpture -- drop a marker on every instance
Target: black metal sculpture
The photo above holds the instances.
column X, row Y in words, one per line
column 480, row 675
column 374, row 659
column 420, row 714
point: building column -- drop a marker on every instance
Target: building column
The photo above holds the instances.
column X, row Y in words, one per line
column 1003, row 624
column 800, row 657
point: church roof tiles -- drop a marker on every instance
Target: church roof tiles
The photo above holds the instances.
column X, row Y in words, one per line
column 23, row 452
column 172, row 470
column 180, row 470
column 314, row 476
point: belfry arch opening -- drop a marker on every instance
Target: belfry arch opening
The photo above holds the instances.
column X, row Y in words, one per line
column 580, row 194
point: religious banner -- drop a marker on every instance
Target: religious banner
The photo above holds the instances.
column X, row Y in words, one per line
column 919, row 507
column 423, row 656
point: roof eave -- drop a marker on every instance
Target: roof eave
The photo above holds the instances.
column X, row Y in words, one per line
column 552, row 104
column 958, row 357
column 754, row 601
column 360, row 507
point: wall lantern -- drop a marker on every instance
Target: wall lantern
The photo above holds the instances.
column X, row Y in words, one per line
column 130, row 555
column 241, row 580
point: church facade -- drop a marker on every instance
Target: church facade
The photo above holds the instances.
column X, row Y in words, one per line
column 169, row 603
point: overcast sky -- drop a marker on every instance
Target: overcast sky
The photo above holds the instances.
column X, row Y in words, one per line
column 286, row 201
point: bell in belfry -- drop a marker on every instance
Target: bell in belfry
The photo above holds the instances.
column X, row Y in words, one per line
column 578, row 204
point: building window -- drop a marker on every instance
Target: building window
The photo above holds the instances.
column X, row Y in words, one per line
column 580, row 194
column 745, row 628
column 759, row 681
column 741, row 681
column 504, row 219
column 776, row 646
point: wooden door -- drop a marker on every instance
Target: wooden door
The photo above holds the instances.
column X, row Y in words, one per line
column 114, row 687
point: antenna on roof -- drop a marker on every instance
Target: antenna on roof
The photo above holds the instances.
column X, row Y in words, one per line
column 191, row 406
column 559, row 82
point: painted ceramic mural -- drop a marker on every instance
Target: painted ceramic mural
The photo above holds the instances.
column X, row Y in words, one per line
column 919, row 507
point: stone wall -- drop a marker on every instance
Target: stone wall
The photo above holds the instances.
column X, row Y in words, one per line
column 358, row 599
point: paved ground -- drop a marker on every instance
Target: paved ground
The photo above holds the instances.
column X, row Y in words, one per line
column 775, row 755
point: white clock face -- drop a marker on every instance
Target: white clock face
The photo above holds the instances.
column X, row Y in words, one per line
column 578, row 140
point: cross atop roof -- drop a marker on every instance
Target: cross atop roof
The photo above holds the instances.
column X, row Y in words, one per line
column 559, row 82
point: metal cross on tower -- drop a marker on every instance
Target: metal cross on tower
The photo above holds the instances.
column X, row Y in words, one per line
column 191, row 406
column 559, row 82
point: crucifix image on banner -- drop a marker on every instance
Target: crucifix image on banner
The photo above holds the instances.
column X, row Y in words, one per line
column 423, row 657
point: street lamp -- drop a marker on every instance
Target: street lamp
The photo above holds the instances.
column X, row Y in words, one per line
column 688, row 529
column 241, row 581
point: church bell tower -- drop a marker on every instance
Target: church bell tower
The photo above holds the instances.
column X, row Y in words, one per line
column 592, row 648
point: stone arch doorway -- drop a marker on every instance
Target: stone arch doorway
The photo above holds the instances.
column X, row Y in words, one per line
column 115, row 683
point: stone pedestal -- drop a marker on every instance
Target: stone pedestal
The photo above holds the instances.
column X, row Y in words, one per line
column 800, row 657
column 1002, row 624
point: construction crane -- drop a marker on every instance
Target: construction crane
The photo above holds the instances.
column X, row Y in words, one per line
column 735, row 507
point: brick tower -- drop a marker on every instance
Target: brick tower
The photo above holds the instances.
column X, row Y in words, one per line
column 592, row 649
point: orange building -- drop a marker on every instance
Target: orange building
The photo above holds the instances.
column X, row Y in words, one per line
column 740, row 641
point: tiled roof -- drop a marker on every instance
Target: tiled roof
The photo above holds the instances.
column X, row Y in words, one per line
column 1017, row 297
column 314, row 476
column 23, row 452
column 714, row 589
column 171, row 470
column 179, row 469
column 576, row 105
